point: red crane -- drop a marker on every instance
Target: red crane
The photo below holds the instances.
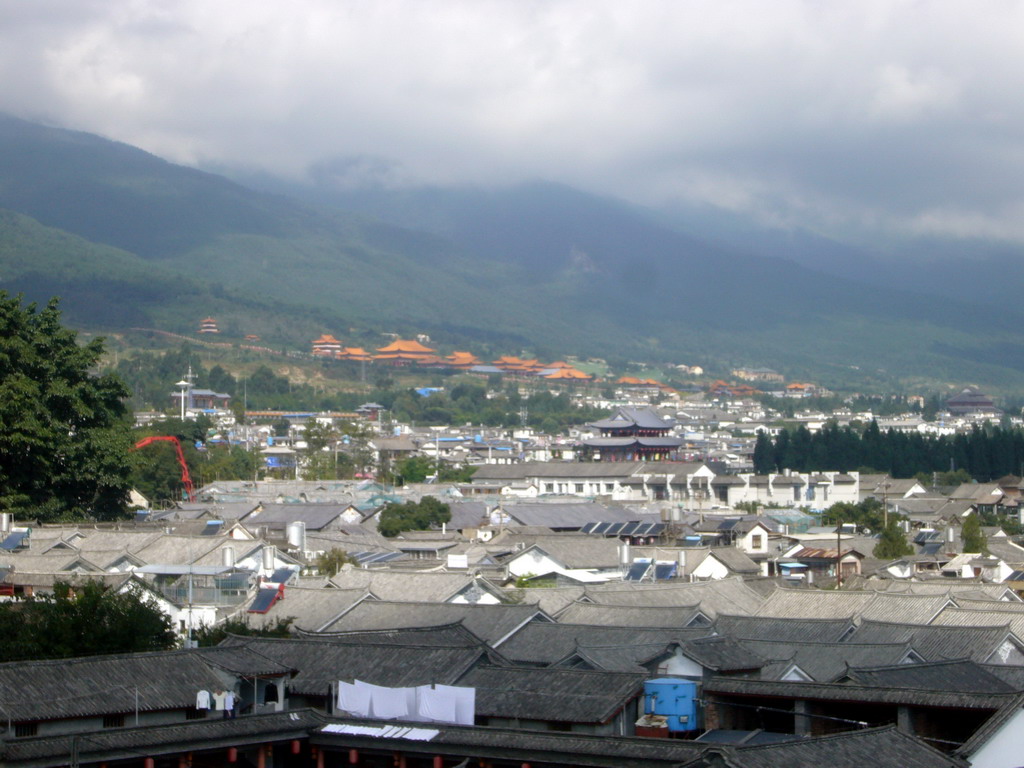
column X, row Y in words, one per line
column 186, row 478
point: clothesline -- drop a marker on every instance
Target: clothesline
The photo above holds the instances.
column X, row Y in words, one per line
column 433, row 703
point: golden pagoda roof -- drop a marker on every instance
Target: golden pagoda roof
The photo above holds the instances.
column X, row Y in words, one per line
column 353, row 353
column 326, row 339
column 463, row 357
column 569, row 374
column 404, row 346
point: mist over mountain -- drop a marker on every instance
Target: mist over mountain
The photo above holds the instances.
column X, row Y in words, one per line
column 540, row 267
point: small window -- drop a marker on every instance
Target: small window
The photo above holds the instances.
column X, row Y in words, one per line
column 25, row 729
column 609, row 487
column 113, row 721
column 757, row 542
column 196, row 714
column 549, row 487
column 579, row 487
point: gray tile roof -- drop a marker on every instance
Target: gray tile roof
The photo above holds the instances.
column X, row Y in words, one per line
column 936, row 642
column 310, row 608
column 545, row 643
column 878, row 747
column 67, row 688
column 627, row 615
column 960, row 676
column 490, row 622
column 408, row 586
column 567, row 515
column 787, row 630
column 731, row 595
column 322, row 662
column 553, row 694
column 823, row 662
column 859, row 693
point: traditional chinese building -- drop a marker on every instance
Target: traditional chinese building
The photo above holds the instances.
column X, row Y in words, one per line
column 632, row 434
column 402, row 352
column 326, row 346
column 209, row 325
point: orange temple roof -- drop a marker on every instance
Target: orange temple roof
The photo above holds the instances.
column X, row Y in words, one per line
column 404, row 347
column 466, row 359
column 353, row 353
column 568, row 374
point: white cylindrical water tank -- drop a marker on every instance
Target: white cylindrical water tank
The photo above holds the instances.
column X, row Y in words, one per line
column 624, row 553
column 227, row 557
column 5, row 522
column 269, row 556
column 296, row 534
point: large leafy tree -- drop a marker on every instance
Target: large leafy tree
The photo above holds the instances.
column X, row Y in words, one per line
column 64, row 435
column 84, row 621
column 412, row 516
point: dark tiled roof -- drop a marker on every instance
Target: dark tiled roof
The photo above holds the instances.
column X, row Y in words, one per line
column 823, row 662
column 567, row 695
column 722, row 654
column 936, row 642
column 961, row 676
column 544, row 643
column 855, row 693
column 877, row 747
column 491, row 622
column 154, row 740
column 793, row 630
column 68, row 688
column 322, row 662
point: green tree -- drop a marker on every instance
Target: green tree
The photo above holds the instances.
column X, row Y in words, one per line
column 416, row 469
column 83, row 621
column 764, row 454
column 330, row 562
column 412, row 516
column 867, row 514
column 208, row 636
column 321, row 463
column 892, row 543
column 972, row 536
column 65, row 436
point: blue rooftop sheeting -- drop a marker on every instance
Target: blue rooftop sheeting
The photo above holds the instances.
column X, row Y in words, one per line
column 665, row 571
column 265, row 598
column 624, row 529
column 15, row 540
column 638, row 570
column 369, row 558
column 281, row 575
column 212, row 528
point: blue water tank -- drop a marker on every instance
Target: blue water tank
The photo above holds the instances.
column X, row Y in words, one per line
column 673, row 698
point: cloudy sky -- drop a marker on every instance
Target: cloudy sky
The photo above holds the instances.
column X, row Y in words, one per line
column 876, row 116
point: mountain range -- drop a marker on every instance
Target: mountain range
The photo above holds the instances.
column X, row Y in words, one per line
column 130, row 240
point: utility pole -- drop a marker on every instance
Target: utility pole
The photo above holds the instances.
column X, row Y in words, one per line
column 839, row 554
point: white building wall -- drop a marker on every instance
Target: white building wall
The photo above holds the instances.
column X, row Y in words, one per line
column 1005, row 748
column 710, row 568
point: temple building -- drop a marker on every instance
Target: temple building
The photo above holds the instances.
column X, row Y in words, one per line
column 632, row 434
column 358, row 354
column 972, row 402
column 326, row 346
column 402, row 352
column 209, row 325
column 567, row 375
column 462, row 360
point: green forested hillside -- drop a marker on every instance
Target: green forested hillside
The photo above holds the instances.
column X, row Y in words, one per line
column 130, row 240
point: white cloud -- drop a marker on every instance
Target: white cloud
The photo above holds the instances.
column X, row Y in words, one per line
column 830, row 115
